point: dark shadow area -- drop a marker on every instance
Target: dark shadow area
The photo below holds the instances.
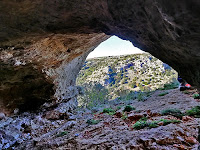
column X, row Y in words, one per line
column 22, row 87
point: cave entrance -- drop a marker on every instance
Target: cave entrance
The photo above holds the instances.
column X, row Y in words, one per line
column 116, row 70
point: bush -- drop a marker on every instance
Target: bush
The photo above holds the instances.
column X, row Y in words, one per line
column 167, row 121
column 140, row 125
column 153, row 124
column 163, row 94
column 169, row 86
column 174, row 112
column 109, row 111
column 62, row 133
column 194, row 112
column 118, row 107
column 92, row 121
column 128, row 108
column 196, row 96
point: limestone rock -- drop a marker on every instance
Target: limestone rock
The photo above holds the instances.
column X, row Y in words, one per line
column 55, row 115
column 2, row 116
column 54, row 37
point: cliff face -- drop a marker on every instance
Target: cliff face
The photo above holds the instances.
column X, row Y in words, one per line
column 54, row 37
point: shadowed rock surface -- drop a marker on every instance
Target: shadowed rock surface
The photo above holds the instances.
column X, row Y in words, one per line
column 56, row 36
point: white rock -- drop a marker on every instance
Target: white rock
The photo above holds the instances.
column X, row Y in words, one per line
column 2, row 116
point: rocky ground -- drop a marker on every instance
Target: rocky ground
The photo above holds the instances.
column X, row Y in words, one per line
column 93, row 129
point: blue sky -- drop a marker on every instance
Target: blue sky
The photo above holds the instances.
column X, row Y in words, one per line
column 114, row 46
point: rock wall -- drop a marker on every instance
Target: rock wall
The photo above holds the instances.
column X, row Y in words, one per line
column 44, row 71
column 39, row 33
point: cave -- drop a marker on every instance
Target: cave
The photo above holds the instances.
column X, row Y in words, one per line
column 55, row 37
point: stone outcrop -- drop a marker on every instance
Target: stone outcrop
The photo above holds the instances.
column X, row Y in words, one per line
column 54, row 37
column 44, row 71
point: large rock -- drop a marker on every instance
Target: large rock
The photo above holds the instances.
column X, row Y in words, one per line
column 54, row 37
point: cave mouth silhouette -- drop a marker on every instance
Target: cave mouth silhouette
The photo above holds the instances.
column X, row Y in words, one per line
column 97, row 86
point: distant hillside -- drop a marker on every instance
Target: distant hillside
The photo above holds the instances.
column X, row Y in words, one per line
column 121, row 74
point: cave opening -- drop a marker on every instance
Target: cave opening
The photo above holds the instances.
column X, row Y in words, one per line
column 116, row 70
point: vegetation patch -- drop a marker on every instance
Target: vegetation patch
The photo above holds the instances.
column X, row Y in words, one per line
column 194, row 112
column 141, row 96
column 109, row 111
column 169, row 86
column 118, row 107
column 152, row 124
column 174, row 112
column 128, row 108
column 143, row 119
column 196, row 96
column 167, row 121
column 92, row 121
column 163, row 94
column 123, row 77
column 124, row 116
column 62, row 133
column 186, row 92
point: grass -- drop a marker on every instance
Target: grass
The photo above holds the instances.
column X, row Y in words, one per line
column 128, row 108
column 174, row 112
column 163, row 94
column 92, row 121
column 195, row 111
column 153, row 124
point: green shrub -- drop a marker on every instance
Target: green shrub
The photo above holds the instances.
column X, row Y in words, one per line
column 143, row 119
column 167, row 121
column 174, row 112
column 111, row 113
column 140, row 125
column 194, row 111
column 186, row 92
column 128, row 108
column 196, row 96
column 153, row 124
column 141, row 96
column 163, row 94
column 118, row 107
column 108, row 110
column 62, row 133
column 92, row 121
column 169, row 86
